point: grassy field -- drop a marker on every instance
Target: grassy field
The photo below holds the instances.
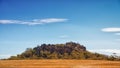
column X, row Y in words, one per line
column 59, row 64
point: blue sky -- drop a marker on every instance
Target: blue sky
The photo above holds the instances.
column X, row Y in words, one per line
column 27, row 23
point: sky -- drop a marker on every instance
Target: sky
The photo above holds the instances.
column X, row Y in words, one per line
column 28, row 23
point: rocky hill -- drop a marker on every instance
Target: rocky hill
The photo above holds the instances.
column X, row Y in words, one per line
column 69, row 50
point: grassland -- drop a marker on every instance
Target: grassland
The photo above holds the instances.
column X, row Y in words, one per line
column 59, row 64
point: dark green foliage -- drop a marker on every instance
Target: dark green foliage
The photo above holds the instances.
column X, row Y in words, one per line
column 70, row 50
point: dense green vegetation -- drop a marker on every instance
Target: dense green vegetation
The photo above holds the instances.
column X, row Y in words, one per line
column 69, row 50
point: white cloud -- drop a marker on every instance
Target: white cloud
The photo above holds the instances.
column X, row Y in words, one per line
column 107, row 51
column 49, row 20
column 8, row 21
column 34, row 22
column 111, row 29
column 63, row 36
column 4, row 56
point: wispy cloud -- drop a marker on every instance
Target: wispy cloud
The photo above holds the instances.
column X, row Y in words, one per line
column 111, row 29
column 107, row 51
column 63, row 36
column 34, row 21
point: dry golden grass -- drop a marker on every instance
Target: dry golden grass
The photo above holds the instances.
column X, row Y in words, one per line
column 59, row 64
